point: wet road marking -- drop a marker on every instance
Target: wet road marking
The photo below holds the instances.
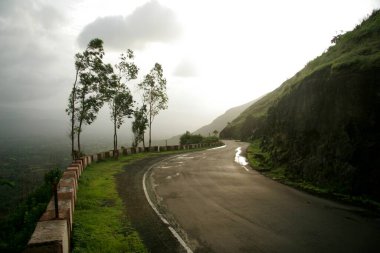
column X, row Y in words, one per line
column 217, row 147
column 165, row 167
column 185, row 157
column 181, row 241
column 150, row 202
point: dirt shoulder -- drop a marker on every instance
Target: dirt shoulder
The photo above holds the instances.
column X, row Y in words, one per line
column 154, row 233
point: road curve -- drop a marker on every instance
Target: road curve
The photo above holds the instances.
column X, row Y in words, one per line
column 218, row 206
column 155, row 234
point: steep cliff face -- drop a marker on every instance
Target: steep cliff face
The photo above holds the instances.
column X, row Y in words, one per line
column 322, row 125
column 327, row 130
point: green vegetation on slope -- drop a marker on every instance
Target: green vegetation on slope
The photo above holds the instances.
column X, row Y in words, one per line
column 100, row 221
column 18, row 226
column 24, row 161
column 260, row 160
column 322, row 125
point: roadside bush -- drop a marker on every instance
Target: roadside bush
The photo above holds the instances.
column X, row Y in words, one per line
column 188, row 138
column 210, row 139
column 17, row 228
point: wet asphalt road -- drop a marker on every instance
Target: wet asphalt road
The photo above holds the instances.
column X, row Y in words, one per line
column 219, row 206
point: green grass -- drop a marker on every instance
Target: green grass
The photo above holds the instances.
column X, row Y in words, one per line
column 100, row 222
column 277, row 174
column 256, row 157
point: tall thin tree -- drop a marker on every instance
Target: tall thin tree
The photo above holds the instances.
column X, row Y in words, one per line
column 118, row 94
column 83, row 63
column 154, row 94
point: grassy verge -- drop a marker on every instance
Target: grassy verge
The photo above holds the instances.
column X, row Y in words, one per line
column 260, row 161
column 100, row 218
column 256, row 157
column 100, row 222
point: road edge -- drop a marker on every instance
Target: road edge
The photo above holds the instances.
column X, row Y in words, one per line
column 155, row 209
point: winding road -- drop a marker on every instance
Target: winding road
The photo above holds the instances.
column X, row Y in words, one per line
column 218, row 205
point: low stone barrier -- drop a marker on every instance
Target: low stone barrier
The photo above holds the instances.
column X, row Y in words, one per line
column 71, row 175
column 81, row 162
column 75, row 170
column 70, row 183
column 65, row 212
column 49, row 236
column 79, row 165
column 65, row 193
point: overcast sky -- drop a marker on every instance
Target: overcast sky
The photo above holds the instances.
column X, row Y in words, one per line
column 215, row 54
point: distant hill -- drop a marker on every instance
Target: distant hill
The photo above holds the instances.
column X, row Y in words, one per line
column 322, row 125
column 221, row 122
column 217, row 124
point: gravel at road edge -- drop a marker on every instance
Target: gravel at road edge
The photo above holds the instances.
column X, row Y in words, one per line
column 155, row 234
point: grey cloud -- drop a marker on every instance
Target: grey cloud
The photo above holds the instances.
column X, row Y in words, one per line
column 29, row 57
column 7, row 6
column 49, row 17
column 185, row 69
column 151, row 22
column 32, row 12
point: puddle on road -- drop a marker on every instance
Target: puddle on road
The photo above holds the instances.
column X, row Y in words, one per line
column 185, row 157
column 239, row 158
column 171, row 177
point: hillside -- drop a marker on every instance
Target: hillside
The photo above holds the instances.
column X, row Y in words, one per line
column 221, row 122
column 322, row 125
column 217, row 124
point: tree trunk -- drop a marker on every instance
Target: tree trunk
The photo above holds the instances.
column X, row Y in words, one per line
column 78, row 138
column 80, row 123
column 73, row 98
column 73, row 124
column 150, row 125
column 150, row 134
column 150, row 119
column 114, row 135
